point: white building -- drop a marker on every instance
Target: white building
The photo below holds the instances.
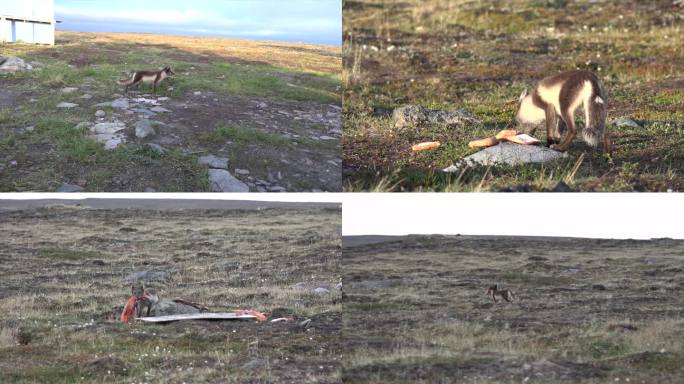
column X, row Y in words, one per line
column 27, row 21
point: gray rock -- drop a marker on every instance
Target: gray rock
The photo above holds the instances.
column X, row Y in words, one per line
column 169, row 307
column 100, row 113
column 121, row 103
column 241, row 171
column 69, row 89
column 321, row 291
column 144, row 111
column 157, row 148
column 159, row 109
column 108, row 127
column 148, row 276
column 509, row 153
column 414, row 115
column 143, row 128
column 105, row 104
column 626, row 122
column 64, row 104
column 327, row 138
column 83, row 124
column 150, row 189
column 277, row 188
column 30, row 128
column 222, row 181
column 69, row 188
column 87, row 96
column 162, row 98
column 13, row 64
column 213, row 161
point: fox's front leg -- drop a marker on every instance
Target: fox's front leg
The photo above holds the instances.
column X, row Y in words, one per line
column 551, row 125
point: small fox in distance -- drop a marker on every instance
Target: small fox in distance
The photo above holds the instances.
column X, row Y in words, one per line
column 146, row 77
column 505, row 294
column 560, row 96
column 147, row 299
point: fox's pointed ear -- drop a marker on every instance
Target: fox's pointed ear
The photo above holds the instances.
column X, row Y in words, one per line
column 522, row 95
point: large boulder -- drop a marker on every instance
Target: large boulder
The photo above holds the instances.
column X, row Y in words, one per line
column 221, row 180
column 511, row 154
column 13, row 64
column 416, row 115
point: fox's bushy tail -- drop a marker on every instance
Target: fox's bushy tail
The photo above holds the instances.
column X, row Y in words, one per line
column 128, row 81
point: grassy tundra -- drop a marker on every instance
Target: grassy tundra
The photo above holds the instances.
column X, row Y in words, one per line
column 263, row 105
column 587, row 311
column 63, row 275
column 480, row 55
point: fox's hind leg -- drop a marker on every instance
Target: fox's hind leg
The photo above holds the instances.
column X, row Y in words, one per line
column 551, row 125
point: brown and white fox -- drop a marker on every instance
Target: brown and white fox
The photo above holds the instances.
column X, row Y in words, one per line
column 506, row 294
column 147, row 298
column 560, row 96
column 146, row 77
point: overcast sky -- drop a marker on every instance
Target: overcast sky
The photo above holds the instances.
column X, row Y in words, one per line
column 309, row 21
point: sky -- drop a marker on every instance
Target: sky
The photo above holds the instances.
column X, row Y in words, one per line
column 307, row 21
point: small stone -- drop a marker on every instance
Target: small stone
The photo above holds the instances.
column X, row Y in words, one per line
column 241, row 171
column 197, row 93
column 150, row 189
column 69, row 89
column 100, row 113
column 108, row 127
column 626, row 122
column 222, row 181
column 29, row 129
column 105, row 104
column 321, row 291
column 83, row 124
column 327, row 138
column 213, row 161
column 143, row 128
column 162, row 98
column 69, row 188
column 159, row 110
column 121, row 103
column 277, row 188
column 157, row 148
column 64, row 104
column 87, row 96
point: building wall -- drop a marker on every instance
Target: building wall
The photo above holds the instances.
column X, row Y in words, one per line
column 36, row 22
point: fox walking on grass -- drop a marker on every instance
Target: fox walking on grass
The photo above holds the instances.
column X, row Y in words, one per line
column 146, row 77
column 505, row 294
column 560, row 96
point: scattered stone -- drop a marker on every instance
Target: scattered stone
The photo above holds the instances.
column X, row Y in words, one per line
column 626, row 122
column 69, row 89
column 222, row 181
column 241, row 171
column 29, row 128
column 262, row 105
column 197, row 93
column 100, row 113
column 159, row 110
column 146, row 101
column 327, row 138
column 157, row 148
column 415, row 115
column 148, row 276
column 561, row 187
column 321, row 291
column 509, row 153
column 143, row 128
column 213, row 161
column 64, row 104
column 69, row 188
column 13, row 64
column 108, row 127
column 598, row 287
column 105, row 104
column 162, row 98
column 121, row 103
column 276, row 188
column 83, row 124
column 150, row 189
column 87, row 96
